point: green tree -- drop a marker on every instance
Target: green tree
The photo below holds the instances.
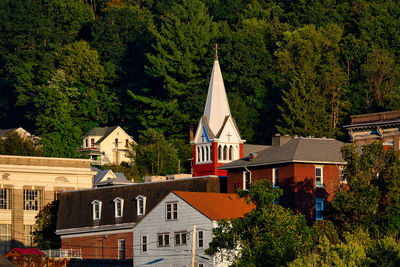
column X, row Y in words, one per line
column 44, row 235
column 371, row 198
column 15, row 144
column 154, row 155
column 309, row 59
column 269, row 235
column 181, row 64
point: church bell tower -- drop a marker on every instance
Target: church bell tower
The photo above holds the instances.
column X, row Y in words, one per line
column 217, row 140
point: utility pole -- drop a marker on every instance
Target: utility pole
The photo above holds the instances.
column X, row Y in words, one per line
column 194, row 245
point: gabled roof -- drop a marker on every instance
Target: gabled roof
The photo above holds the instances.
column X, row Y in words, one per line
column 216, row 206
column 75, row 210
column 98, row 131
column 300, row 149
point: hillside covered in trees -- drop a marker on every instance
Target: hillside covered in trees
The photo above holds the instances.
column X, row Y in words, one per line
column 294, row 67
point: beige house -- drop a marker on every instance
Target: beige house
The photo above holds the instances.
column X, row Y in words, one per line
column 106, row 145
column 29, row 183
column 22, row 132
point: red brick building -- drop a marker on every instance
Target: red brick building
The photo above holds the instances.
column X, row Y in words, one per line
column 307, row 169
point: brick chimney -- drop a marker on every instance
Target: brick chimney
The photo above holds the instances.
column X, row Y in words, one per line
column 279, row 140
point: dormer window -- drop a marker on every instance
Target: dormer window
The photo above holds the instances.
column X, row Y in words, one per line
column 96, row 207
column 141, row 205
column 118, row 207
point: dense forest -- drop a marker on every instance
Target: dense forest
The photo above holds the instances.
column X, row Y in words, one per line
column 294, row 67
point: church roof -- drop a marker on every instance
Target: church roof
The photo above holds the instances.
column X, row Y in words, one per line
column 217, row 106
column 297, row 150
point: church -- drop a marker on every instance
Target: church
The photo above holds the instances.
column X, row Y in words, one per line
column 217, row 140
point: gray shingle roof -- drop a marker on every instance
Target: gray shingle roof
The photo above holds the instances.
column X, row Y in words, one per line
column 248, row 148
column 301, row 149
column 100, row 131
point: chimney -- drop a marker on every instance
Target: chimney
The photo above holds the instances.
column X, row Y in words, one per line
column 279, row 140
column 253, row 155
column 191, row 135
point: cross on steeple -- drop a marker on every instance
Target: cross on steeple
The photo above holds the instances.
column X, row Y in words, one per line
column 216, row 51
column 229, row 136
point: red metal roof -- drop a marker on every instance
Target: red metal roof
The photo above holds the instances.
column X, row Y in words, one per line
column 216, row 206
column 28, row 251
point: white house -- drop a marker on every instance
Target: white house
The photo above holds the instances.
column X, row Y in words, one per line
column 179, row 228
column 106, row 145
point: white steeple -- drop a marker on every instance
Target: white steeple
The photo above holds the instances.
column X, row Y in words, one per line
column 217, row 106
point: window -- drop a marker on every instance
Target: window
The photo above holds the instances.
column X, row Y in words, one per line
column 163, row 240
column 342, row 178
column 202, row 154
column 198, row 154
column 201, row 265
column 207, row 154
column 116, row 142
column 5, row 199
column 121, row 249
column 96, row 210
column 32, row 199
column 57, row 194
column 86, row 142
column 246, row 180
column 200, row 238
column 127, row 142
column 171, row 211
column 275, row 177
column 319, row 208
column 230, row 152
column 144, row 243
column 219, row 152
column 92, row 142
column 141, row 205
column 225, row 152
column 118, row 207
column 180, row 238
column 28, row 229
column 319, row 180
column 5, row 238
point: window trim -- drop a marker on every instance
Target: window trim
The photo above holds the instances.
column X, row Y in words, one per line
column 321, row 167
column 200, row 241
column 5, row 201
column 121, row 249
column 164, row 235
column 320, row 201
column 121, row 202
column 96, row 203
column 138, row 198
column 174, row 213
column 245, row 180
column 144, row 244
column 180, row 238
column 275, row 174
column 38, row 206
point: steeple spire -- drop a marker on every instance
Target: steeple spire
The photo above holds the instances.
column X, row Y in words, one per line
column 217, row 106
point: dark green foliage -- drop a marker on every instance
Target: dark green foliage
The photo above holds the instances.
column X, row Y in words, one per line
column 44, row 235
column 154, row 155
column 371, row 198
column 269, row 235
column 14, row 144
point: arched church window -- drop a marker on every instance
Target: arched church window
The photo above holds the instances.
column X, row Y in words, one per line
column 225, row 152
column 202, row 153
column 207, row 154
column 219, row 152
column 230, row 152
column 198, row 154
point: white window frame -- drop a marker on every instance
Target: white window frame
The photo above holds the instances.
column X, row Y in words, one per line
column 33, row 199
column 165, row 237
column 179, row 240
column 275, row 177
column 118, row 201
column 141, row 200
column 321, row 177
column 144, row 243
column 200, row 239
column 121, row 249
column 96, row 203
column 173, row 211
column 5, row 203
column 342, row 179
column 245, row 180
column 318, row 212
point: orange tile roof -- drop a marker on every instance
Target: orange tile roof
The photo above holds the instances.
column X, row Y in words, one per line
column 216, row 206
